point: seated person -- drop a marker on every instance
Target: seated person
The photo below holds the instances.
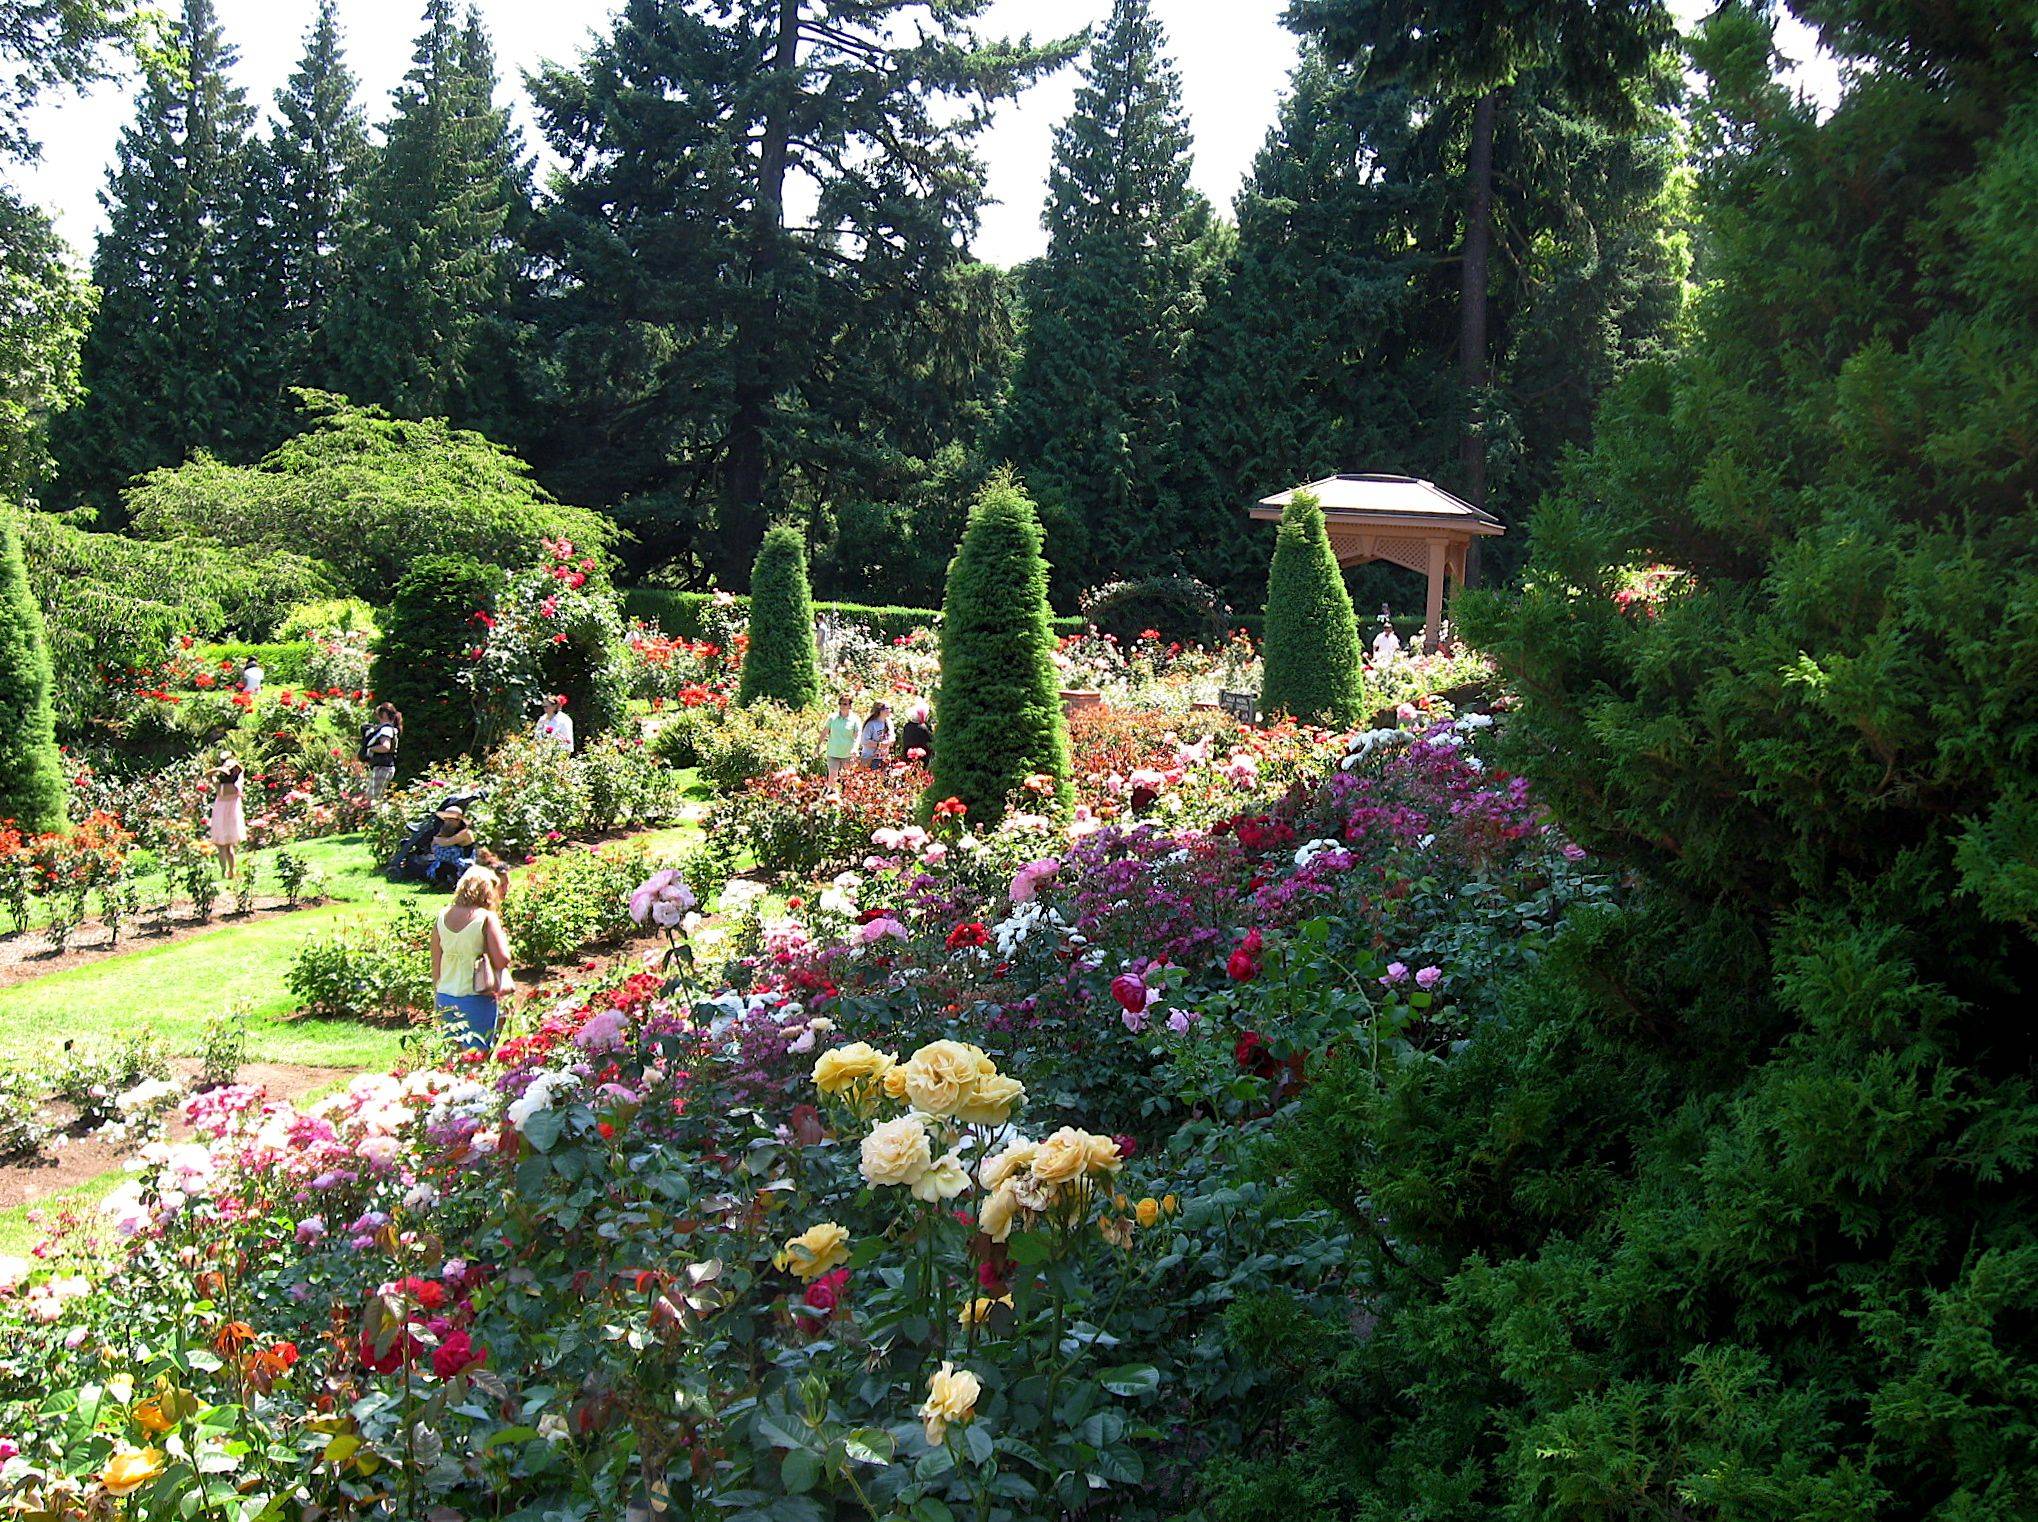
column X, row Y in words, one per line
column 452, row 845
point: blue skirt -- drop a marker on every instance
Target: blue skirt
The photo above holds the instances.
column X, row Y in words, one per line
column 470, row 1019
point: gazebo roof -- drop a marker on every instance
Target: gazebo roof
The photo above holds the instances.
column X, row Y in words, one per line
column 1388, row 501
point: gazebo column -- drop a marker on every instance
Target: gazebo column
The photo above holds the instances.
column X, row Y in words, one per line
column 1433, row 613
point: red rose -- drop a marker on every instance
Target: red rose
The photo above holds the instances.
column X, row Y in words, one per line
column 455, row 1354
column 1241, row 967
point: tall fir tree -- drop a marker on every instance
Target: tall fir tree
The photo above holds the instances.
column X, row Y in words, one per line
column 1468, row 59
column 167, row 364
column 717, row 358
column 318, row 153
column 427, row 321
column 1328, row 342
column 1096, row 404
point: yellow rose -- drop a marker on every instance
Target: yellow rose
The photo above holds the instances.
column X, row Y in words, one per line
column 1170, row 1203
column 992, row 1100
column 1148, row 1211
column 1016, row 1158
column 951, row 1397
column 815, row 1251
column 1102, row 1154
column 125, row 1473
column 897, row 1152
column 841, row 1067
column 1063, row 1156
column 999, row 1212
column 943, row 1180
column 895, row 1082
column 942, row 1076
column 978, row 1311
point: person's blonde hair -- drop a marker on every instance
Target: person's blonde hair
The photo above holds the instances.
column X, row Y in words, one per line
column 476, row 889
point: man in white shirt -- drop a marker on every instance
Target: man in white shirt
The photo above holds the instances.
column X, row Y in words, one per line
column 252, row 677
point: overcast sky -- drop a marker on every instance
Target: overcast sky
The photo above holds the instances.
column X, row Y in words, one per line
column 1234, row 57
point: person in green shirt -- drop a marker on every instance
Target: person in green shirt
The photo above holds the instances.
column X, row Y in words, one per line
column 841, row 733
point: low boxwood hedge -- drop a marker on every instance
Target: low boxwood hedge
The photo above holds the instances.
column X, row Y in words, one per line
column 683, row 613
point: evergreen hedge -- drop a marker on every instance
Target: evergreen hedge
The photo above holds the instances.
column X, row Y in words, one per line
column 685, row 614
column 429, row 629
column 1314, row 665
column 998, row 716
column 780, row 664
column 31, row 771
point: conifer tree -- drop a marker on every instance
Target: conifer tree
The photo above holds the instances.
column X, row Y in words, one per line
column 709, row 345
column 1743, row 1154
column 1329, row 341
column 1467, row 58
column 1313, row 664
column 45, row 309
column 318, row 153
column 426, row 325
column 780, row 663
column 167, row 365
column 999, row 712
column 1096, row 408
column 31, row 771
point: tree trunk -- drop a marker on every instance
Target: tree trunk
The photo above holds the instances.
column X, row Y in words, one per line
column 1472, row 297
column 742, row 520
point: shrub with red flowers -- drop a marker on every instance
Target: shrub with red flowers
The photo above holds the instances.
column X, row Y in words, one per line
column 556, row 627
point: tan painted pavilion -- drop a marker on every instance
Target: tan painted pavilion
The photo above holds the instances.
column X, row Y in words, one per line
column 1399, row 519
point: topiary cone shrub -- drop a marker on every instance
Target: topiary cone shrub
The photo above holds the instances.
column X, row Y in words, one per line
column 998, row 716
column 780, row 664
column 31, row 771
column 1313, row 663
column 431, row 626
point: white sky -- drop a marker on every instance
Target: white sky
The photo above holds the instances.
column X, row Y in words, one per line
column 1233, row 56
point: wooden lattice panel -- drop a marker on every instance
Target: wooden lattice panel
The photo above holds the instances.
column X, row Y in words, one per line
column 1413, row 553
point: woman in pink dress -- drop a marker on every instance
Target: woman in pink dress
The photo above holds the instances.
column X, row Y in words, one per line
column 229, row 820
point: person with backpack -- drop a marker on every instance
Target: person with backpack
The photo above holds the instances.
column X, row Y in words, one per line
column 379, row 740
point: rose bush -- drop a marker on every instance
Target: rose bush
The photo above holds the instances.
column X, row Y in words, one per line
column 961, row 1187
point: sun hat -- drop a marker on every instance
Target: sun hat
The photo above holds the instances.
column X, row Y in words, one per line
column 452, row 811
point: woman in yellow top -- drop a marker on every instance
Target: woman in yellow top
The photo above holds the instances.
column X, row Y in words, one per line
column 467, row 937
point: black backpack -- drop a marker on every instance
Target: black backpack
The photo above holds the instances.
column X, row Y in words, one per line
column 367, row 752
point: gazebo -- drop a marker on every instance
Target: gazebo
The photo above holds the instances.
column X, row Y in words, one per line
column 1399, row 519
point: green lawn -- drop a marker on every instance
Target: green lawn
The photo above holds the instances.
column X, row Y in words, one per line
column 172, row 988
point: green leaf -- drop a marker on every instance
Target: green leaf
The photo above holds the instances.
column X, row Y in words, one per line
column 1130, row 1379
column 1031, row 1248
column 542, row 1130
column 870, row 1445
column 800, row 1472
